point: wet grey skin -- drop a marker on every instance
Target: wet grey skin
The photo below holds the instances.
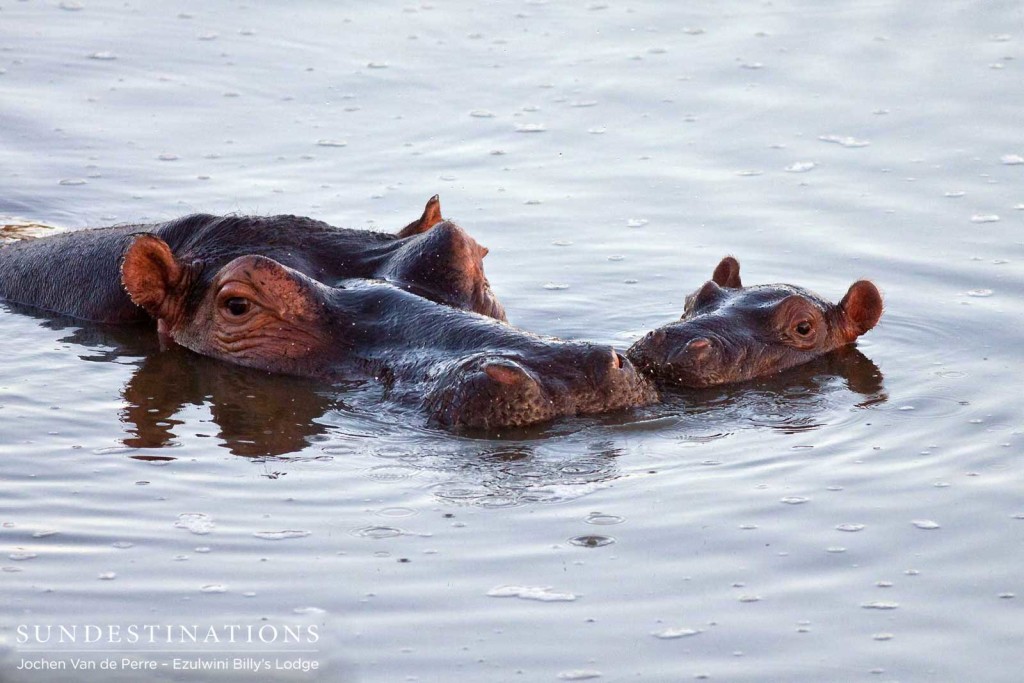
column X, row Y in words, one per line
column 730, row 333
column 79, row 273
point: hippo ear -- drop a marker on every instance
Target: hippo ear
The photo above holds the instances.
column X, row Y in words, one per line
column 862, row 307
column 727, row 274
column 153, row 277
column 431, row 217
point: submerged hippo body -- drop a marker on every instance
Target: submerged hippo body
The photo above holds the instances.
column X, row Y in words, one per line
column 79, row 273
column 731, row 333
column 467, row 369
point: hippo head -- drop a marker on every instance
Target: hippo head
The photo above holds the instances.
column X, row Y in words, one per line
column 253, row 311
column 730, row 333
column 509, row 389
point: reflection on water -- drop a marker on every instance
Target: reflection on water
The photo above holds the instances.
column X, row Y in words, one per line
column 262, row 414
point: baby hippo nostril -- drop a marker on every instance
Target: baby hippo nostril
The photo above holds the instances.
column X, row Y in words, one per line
column 618, row 361
column 694, row 351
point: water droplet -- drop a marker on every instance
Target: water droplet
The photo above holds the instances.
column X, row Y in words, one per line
column 845, row 141
column 749, row 598
column 198, row 523
column 592, row 541
column 103, row 56
column 22, row 556
column 835, row 549
column 530, row 128
column 562, row 243
column 107, row 576
column 214, row 588
column 1007, row 596
column 601, row 519
column 378, row 532
column 956, row 194
column 555, row 286
column 850, row 527
column 73, row 181
column 44, row 534
column 481, row 114
column 801, row 167
column 71, row 5
column 167, row 156
column 280, row 535
column 925, row 524
column 540, row 593
column 748, row 173
column 207, row 36
column 880, row 605
column 752, row 65
column 794, row 500
column 672, row 633
column 980, row 292
column 1012, row 159
column 583, row 103
column 597, row 130
column 579, row 674
column 122, row 545
column 331, row 143
column 636, row 222
column 882, row 636
column 985, row 218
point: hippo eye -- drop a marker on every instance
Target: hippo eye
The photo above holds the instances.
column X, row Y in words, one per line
column 803, row 329
column 237, row 306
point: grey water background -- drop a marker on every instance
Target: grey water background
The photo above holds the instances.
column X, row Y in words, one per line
column 859, row 519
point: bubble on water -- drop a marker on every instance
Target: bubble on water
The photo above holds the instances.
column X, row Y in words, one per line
column 883, row 584
column 73, row 181
column 167, row 156
column 213, row 588
column 980, row 292
column 844, row 140
column 955, row 194
column 747, row 527
column 1011, row 159
column 1018, row 207
column 579, row 674
column 748, row 173
column 331, row 143
column 985, row 218
column 481, row 114
column 636, row 222
column 11, row 570
column 794, row 500
column 1007, row 596
column 592, row 541
column 835, row 549
column 882, row 636
column 801, row 167
column 313, row 611
column 597, row 130
column 673, row 633
column 122, row 545
column 555, row 286
column 1018, row 515
column 532, row 202
column 198, row 523
column 22, row 556
column 562, row 243
column 530, row 128
column 207, row 36
column 583, row 103
column 749, row 598
column 912, row 572
column 850, row 527
column 281, row 535
column 45, row 533
column 107, row 576
column 377, row 532
column 879, row 604
column 540, row 593
column 601, row 519
column 752, row 65
column 103, row 56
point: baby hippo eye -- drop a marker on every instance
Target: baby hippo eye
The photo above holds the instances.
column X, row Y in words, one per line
column 803, row 328
column 237, row 306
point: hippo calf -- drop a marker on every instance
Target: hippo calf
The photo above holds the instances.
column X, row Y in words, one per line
column 468, row 369
column 79, row 273
column 730, row 333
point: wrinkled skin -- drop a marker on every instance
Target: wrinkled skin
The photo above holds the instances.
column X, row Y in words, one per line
column 731, row 333
column 79, row 273
column 467, row 369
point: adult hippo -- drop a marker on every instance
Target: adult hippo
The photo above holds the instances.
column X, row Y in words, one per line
column 730, row 333
column 467, row 369
column 79, row 273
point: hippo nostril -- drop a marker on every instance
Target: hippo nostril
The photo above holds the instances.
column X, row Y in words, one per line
column 698, row 346
column 694, row 351
column 506, row 372
column 617, row 360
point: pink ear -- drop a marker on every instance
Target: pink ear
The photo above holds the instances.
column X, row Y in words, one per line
column 727, row 274
column 151, row 274
column 431, row 217
column 862, row 306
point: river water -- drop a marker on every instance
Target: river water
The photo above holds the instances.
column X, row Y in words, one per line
column 860, row 519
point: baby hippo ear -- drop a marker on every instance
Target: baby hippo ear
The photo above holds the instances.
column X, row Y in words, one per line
column 153, row 277
column 862, row 307
column 431, row 217
column 727, row 273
